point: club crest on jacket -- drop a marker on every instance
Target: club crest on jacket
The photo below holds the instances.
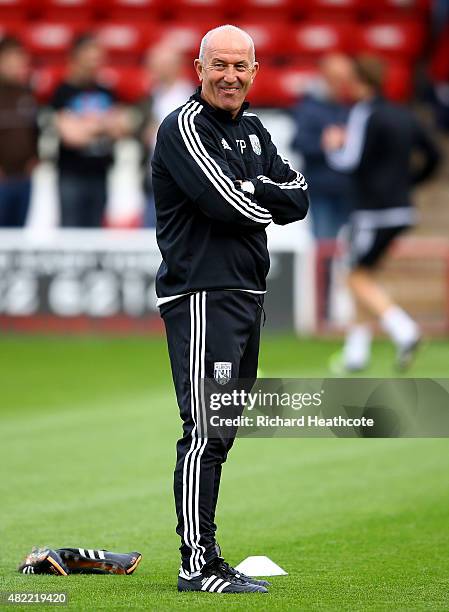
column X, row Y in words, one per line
column 255, row 143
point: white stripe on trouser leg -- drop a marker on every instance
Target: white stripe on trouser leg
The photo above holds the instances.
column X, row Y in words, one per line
column 193, row 460
column 190, row 500
column 201, row 416
column 185, row 514
column 200, row 302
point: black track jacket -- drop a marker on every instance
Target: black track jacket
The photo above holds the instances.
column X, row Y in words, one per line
column 381, row 137
column 211, row 233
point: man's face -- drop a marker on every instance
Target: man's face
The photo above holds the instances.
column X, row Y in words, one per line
column 89, row 58
column 338, row 74
column 14, row 66
column 227, row 72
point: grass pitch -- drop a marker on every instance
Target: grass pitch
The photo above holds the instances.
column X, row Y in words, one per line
column 88, row 430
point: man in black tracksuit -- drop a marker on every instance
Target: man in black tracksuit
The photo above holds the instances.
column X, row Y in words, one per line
column 218, row 183
column 377, row 149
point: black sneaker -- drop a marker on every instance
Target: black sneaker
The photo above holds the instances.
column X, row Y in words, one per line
column 238, row 574
column 43, row 561
column 244, row 577
column 215, row 577
column 94, row 561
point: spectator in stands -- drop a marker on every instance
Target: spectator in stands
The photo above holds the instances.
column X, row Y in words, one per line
column 169, row 89
column 377, row 147
column 326, row 104
column 89, row 121
column 18, row 134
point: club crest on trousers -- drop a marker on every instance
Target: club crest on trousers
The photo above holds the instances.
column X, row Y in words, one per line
column 222, row 372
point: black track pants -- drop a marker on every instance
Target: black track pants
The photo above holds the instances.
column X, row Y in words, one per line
column 204, row 329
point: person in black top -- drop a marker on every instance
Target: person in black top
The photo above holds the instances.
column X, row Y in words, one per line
column 377, row 147
column 218, row 183
column 88, row 121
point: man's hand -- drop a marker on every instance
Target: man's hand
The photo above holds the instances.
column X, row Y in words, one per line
column 117, row 123
column 333, row 138
column 245, row 185
column 77, row 130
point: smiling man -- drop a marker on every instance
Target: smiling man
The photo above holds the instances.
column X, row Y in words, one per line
column 226, row 68
column 218, row 182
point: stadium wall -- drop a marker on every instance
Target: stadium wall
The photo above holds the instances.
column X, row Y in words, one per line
column 78, row 281
column 82, row 281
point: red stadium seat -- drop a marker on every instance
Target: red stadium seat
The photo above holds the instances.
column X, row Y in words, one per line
column 395, row 8
column 13, row 9
column 129, row 9
column 269, row 38
column 130, row 83
column 281, row 88
column 10, row 27
column 397, row 40
column 318, row 37
column 130, row 40
column 398, row 84
column 325, row 9
column 284, row 87
column 264, row 10
column 186, row 36
column 48, row 38
column 67, row 9
column 210, row 10
column 127, row 40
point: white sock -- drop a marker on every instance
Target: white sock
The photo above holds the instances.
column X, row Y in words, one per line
column 401, row 328
column 357, row 348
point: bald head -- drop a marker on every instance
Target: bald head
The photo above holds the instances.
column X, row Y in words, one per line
column 226, row 67
column 226, row 36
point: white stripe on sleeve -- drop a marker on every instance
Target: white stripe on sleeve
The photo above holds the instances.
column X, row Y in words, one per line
column 213, row 172
column 299, row 182
column 348, row 157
